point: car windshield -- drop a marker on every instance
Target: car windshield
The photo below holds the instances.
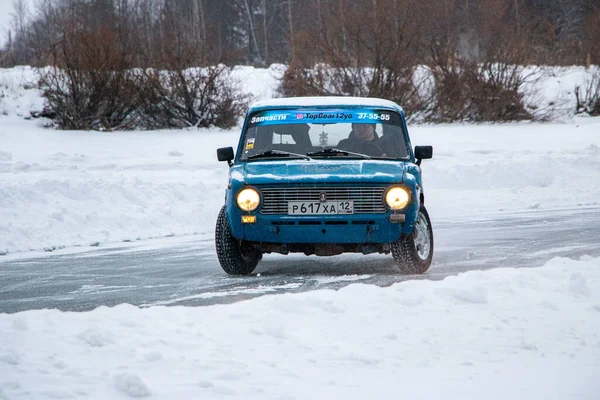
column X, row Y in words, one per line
column 324, row 133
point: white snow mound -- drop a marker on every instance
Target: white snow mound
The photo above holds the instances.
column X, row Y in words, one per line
column 504, row 333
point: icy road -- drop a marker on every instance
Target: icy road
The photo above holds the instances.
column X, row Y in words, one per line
column 185, row 271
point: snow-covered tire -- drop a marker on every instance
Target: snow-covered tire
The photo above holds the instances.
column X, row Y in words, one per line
column 235, row 258
column 413, row 253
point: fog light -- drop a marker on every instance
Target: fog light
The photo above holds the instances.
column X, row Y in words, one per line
column 248, row 219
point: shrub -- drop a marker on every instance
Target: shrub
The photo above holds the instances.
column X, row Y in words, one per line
column 400, row 85
column 588, row 97
column 298, row 81
column 90, row 100
column 93, row 84
column 468, row 91
column 90, row 85
column 198, row 97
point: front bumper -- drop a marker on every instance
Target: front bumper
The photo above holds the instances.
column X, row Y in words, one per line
column 339, row 229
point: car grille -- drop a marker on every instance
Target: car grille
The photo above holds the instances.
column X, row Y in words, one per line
column 367, row 199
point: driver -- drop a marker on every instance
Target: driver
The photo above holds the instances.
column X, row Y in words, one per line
column 362, row 139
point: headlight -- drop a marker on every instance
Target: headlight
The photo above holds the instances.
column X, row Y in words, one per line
column 397, row 198
column 248, row 199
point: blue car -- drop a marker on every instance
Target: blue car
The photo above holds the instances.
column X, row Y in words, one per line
column 324, row 176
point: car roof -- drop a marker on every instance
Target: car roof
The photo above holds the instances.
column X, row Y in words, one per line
column 324, row 101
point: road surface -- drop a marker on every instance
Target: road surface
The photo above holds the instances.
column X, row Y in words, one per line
column 185, row 271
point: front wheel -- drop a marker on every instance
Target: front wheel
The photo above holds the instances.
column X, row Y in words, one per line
column 235, row 257
column 413, row 253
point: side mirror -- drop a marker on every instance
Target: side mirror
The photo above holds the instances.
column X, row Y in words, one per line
column 423, row 153
column 225, row 154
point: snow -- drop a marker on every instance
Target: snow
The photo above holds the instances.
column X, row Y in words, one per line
column 261, row 83
column 74, row 188
column 505, row 333
column 510, row 167
column 18, row 93
column 556, row 94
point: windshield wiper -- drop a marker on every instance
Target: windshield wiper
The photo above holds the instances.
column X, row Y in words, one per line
column 334, row 152
column 278, row 153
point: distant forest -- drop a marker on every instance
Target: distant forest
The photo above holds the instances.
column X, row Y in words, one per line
column 160, row 33
column 150, row 64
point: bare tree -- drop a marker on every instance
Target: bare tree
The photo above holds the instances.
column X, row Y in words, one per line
column 253, row 48
column 19, row 17
column 489, row 85
column 372, row 57
column 91, row 85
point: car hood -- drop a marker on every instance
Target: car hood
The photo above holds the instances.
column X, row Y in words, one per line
column 317, row 171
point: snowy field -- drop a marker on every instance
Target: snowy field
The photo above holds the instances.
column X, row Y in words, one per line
column 529, row 333
column 507, row 333
column 82, row 188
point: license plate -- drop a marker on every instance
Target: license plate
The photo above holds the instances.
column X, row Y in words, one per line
column 321, row 207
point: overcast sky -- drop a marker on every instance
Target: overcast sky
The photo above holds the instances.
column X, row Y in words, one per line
column 6, row 8
column 5, row 11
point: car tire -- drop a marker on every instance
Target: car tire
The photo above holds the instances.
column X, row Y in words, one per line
column 413, row 253
column 234, row 256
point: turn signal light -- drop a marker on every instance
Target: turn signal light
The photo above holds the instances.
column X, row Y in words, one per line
column 248, row 219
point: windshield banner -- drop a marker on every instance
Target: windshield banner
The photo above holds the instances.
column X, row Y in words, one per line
column 328, row 116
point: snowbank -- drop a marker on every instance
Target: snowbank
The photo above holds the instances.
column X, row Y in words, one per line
column 528, row 333
column 80, row 188
column 510, row 167
column 76, row 188
column 19, row 95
